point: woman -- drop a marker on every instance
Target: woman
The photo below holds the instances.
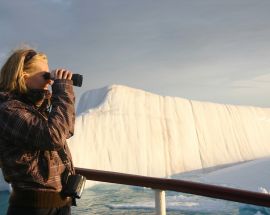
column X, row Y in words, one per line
column 34, row 126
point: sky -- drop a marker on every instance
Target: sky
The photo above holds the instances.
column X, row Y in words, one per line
column 206, row 50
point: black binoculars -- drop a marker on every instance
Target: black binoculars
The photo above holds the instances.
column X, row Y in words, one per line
column 76, row 78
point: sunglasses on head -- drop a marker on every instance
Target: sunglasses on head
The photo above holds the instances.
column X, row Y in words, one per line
column 29, row 56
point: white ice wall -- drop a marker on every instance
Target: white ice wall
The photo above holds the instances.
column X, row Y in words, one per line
column 133, row 131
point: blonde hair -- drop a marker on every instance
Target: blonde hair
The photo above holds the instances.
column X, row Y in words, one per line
column 12, row 72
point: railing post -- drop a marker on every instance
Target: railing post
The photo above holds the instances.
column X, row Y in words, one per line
column 160, row 203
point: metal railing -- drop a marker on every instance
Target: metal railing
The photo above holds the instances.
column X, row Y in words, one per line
column 162, row 184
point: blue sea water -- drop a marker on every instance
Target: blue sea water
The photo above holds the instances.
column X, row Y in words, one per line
column 111, row 199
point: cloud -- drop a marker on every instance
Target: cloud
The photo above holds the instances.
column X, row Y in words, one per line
column 172, row 46
column 261, row 81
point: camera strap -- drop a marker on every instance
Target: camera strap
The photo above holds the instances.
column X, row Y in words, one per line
column 66, row 161
column 69, row 170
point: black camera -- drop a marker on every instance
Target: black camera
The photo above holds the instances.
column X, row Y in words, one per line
column 76, row 78
column 74, row 186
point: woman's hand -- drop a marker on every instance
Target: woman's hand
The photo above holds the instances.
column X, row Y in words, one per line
column 61, row 74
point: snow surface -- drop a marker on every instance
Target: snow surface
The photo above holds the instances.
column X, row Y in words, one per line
column 253, row 176
column 128, row 130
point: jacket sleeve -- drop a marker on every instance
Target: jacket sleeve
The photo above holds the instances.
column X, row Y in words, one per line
column 24, row 126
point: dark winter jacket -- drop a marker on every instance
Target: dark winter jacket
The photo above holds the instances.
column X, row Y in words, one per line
column 29, row 141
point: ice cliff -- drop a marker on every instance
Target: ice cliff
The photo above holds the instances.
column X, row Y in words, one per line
column 119, row 128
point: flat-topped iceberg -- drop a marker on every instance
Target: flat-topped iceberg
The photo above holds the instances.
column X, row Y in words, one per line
column 123, row 129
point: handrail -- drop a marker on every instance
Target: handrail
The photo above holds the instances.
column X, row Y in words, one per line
column 196, row 188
